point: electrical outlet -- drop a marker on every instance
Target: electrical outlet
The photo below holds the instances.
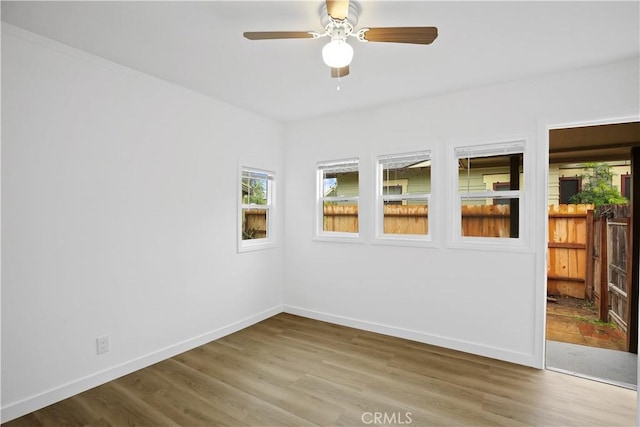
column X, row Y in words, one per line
column 102, row 344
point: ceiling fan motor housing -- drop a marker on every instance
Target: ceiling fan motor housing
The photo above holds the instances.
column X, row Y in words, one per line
column 352, row 17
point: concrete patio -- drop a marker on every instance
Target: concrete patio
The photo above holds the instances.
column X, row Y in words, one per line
column 579, row 344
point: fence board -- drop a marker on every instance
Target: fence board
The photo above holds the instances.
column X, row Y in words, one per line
column 567, row 250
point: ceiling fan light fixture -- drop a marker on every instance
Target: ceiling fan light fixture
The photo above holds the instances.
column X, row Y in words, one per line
column 337, row 53
column 339, row 19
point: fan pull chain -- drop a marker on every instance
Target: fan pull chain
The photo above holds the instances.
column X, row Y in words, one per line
column 338, row 86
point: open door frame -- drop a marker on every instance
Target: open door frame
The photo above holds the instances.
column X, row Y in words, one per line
column 607, row 140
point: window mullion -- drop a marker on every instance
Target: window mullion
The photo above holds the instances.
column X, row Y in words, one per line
column 400, row 197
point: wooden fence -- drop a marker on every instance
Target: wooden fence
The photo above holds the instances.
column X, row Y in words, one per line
column 409, row 219
column 341, row 218
column 610, row 270
column 485, row 220
column 398, row 219
column 481, row 220
column 567, row 251
column 254, row 224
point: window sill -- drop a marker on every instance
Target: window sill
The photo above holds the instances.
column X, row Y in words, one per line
column 255, row 246
column 497, row 244
column 338, row 238
column 410, row 241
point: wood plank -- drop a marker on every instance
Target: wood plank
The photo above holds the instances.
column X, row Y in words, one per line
column 603, row 308
column 568, row 288
column 566, row 278
column 292, row 371
column 589, row 255
column 566, row 215
column 567, row 245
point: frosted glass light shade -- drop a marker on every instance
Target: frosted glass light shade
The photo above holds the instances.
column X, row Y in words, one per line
column 337, row 54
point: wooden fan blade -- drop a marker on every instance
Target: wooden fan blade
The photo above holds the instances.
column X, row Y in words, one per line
column 272, row 35
column 340, row 72
column 415, row 35
column 338, row 9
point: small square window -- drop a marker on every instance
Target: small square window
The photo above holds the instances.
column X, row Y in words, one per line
column 568, row 188
column 625, row 186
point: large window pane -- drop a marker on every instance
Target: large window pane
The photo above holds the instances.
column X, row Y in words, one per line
column 480, row 174
column 407, row 217
column 340, row 217
column 340, row 184
column 482, row 219
column 254, row 224
column 255, row 190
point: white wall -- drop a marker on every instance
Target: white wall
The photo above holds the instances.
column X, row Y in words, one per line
column 118, row 218
column 481, row 301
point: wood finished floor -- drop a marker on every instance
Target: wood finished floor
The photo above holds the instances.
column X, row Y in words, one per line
column 293, row 371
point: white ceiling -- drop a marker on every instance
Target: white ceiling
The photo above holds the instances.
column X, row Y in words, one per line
column 199, row 45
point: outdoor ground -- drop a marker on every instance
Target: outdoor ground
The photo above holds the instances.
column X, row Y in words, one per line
column 575, row 321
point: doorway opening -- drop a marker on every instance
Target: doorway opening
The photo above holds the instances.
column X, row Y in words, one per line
column 592, row 258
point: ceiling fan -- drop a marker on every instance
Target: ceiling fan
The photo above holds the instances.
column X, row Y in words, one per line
column 339, row 18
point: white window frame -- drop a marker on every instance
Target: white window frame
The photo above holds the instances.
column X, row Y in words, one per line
column 520, row 243
column 320, row 233
column 270, row 240
column 381, row 198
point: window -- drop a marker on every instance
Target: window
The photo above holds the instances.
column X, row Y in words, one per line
column 257, row 188
column 625, row 185
column 490, row 210
column 338, row 189
column 403, row 193
column 568, row 188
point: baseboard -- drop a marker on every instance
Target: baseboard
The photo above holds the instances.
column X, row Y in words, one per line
column 33, row 403
column 440, row 341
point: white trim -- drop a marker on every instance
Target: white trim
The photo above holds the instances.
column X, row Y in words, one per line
column 337, row 237
column 17, row 409
column 341, row 199
column 409, row 240
column 490, row 149
column 418, row 336
column 491, row 194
